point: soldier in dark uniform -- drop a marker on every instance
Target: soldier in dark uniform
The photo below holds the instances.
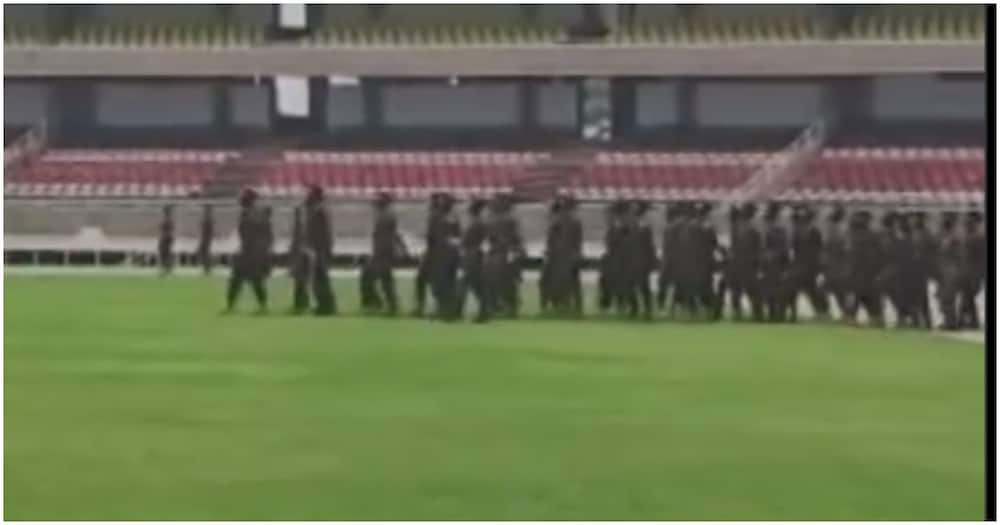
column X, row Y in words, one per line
column 706, row 256
column 774, row 265
column 269, row 237
column 688, row 251
column 472, row 258
column 165, row 245
column 299, row 264
column 319, row 245
column 387, row 248
column 743, row 265
column 866, row 265
column 973, row 271
column 924, row 246
column 888, row 279
column 445, row 260
column 205, row 239
column 251, row 262
column 501, row 268
column 641, row 260
column 949, row 270
column 422, row 279
column 614, row 263
column 546, row 296
column 668, row 255
column 573, row 235
column 807, row 249
column 837, row 264
column 905, row 259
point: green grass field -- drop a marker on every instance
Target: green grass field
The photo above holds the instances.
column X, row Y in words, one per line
column 130, row 398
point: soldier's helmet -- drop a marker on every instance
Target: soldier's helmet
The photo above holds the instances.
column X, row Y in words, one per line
column 973, row 219
column 314, row 195
column 641, row 206
column 948, row 220
column 773, row 211
column 889, row 219
column 446, row 202
column 917, row 219
column 383, row 200
column 556, row 205
column 476, row 206
column 749, row 210
column 247, row 197
column 837, row 214
column 736, row 212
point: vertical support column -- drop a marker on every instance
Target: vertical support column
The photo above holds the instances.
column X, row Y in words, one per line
column 528, row 104
column 319, row 91
column 73, row 109
column 623, row 106
column 371, row 99
column 222, row 107
column 687, row 118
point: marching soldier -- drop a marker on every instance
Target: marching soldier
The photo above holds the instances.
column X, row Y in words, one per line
column 905, row 260
column 445, row 260
column 431, row 246
column 165, row 245
column 387, row 248
column 706, row 249
column 205, row 239
column 924, row 246
column 866, row 265
column 472, row 259
column 949, row 270
column 774, row 265
column 973, row 271
column 837, row 264
column 572, row 234
column 807, row 248
column 299, row 265
column 888, row 278
column 501, row 270
column 545, row 293
column 641, row 261
column 667, row 259
column 319, row 247
column 251, row 262
column 686, row 271
column 743, row 268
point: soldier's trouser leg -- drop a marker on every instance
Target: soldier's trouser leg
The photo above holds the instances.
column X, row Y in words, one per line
column 817, row 298
column 166, row 259
column 736, row 293
column 235, row 287
column 968, row 314
column 947, row 299
column 300, row 295
column 662, row 282
column 545, row 298
column 370, row 299
column 326, row 303
column 645, row 295
column 259, row 291
column 576, row 293
column 205, row 258
column 420, row 285
column 871, row 302
column 387, row 282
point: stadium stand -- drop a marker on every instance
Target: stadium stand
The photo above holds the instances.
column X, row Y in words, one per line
column 503, row 25
column 918, row 175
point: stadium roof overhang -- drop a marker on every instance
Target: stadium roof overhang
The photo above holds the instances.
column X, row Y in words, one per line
column 821, row 59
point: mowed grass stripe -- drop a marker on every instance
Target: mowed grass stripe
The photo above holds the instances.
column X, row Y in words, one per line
column 128, row 398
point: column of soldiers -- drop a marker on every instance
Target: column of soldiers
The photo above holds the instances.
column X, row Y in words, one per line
column 846, row 263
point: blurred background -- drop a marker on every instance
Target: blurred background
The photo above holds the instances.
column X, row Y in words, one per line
column 111, row 111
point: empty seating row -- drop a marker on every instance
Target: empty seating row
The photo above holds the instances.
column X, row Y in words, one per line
column 835, row 174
